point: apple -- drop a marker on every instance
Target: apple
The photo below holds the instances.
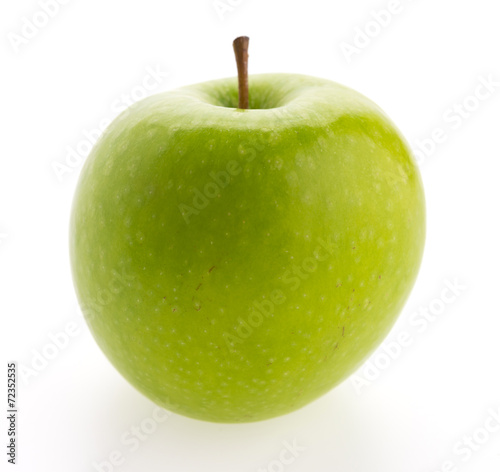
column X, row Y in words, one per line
column 235, row 264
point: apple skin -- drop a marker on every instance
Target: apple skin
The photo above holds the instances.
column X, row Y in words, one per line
column 235, row 265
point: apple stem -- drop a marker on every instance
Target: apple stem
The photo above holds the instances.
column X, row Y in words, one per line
column 240, row 46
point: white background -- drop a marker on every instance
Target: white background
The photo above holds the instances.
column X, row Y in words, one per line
column 412, row 413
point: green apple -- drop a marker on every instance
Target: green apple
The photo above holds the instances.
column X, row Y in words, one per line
column 236, row 264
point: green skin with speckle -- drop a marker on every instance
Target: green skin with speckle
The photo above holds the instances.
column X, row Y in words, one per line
column 235, row 265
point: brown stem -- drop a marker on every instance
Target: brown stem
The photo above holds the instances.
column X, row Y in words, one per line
column 240, row 46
